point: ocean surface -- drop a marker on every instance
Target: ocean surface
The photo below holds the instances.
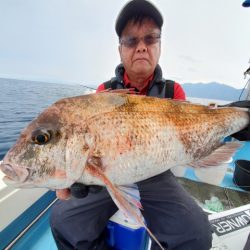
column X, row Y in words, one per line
column 21, row 101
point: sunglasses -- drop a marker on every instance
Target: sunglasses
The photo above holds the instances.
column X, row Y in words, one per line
column 133, row 41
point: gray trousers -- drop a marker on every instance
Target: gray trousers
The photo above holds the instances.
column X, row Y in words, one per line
column 170, row 213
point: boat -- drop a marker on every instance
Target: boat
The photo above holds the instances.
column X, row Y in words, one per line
column 26, row 213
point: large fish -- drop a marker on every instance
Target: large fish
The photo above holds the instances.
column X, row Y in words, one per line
column 117, row 139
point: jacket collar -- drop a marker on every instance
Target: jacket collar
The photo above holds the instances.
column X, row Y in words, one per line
column 119, row 73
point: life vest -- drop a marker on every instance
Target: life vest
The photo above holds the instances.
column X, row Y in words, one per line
column 159, row 87
column 164, row 89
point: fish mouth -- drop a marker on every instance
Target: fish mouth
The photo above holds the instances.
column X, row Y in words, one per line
column 14, row 175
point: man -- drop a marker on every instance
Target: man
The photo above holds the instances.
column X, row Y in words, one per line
column 170, row 213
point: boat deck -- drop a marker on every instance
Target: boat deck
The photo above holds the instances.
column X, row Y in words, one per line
column 203, row 192
column 38, row 237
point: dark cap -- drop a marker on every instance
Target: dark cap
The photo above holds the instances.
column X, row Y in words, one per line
column 137, row 8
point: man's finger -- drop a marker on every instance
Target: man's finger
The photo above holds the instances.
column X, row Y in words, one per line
column 63, row 194
column 79, row 190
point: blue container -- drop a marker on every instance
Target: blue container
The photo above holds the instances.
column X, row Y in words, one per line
column 123, row 235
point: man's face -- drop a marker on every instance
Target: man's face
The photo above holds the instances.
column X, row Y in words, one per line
column 140, row 56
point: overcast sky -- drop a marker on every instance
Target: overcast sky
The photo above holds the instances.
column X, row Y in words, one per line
column 74, row 41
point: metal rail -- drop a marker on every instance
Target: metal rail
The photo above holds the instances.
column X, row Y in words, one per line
column 29, row 226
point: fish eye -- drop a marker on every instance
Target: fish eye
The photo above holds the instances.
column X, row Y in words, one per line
column 41, row 136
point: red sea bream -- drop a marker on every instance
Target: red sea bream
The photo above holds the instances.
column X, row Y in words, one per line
column 117, row 139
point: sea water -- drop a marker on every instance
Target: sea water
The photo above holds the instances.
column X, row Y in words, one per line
column 21, row 101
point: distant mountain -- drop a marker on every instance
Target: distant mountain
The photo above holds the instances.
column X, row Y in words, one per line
column 212, row 90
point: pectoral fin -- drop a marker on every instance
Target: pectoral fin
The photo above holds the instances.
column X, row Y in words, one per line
column 218, row 156
column 126, row 198
column 213, row 168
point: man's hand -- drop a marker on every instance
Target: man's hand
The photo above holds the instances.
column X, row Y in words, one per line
column 77, row 190
column 63, row 194
column 243, row 135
